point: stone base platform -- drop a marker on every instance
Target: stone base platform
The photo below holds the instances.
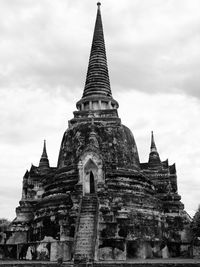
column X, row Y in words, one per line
column 152, row 263
column 133, row 263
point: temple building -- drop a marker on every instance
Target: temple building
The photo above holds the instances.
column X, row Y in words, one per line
column 100, row 202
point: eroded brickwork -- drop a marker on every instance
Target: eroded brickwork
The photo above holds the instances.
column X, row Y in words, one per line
column 100, row 203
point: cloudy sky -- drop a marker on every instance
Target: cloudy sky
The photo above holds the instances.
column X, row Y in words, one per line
column 154, row 62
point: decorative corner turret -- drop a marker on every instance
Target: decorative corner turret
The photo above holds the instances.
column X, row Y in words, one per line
column 44, row 161
column 154, row 158
column 26, row 175
column 97, row 92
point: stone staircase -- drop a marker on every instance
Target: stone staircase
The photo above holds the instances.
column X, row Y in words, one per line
column 86, row 234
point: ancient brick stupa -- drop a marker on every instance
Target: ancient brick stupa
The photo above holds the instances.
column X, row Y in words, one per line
column 99, row 203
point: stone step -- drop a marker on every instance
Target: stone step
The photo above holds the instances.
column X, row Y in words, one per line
column 86, row 226
column 87, row 217
column 89, row 201
column 88, row 253
column 87, row 220
column 84, row 247
column 84, row 251
column 85, row 232
column 88, row 241
column 90, row 197
column 80, row 238
column 88, row 211
column 86, row 229
column 84, row 240
column 93, row 209
column 85, row 235
column 80, row 254
column 89, row 206
column 81, row 251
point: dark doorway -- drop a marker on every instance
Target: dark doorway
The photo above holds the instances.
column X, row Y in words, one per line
column 92, row 189
column 132, row 248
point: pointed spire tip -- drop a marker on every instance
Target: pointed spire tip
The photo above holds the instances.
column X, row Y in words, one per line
column 153, row 145
column 97, row 85
column 44, row 162
column 154, row 158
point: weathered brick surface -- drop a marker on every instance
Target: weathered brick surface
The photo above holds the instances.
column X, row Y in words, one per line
column 139, row 212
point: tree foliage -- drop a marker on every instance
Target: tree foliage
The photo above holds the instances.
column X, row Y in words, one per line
column 196, row 224
column 4, row 223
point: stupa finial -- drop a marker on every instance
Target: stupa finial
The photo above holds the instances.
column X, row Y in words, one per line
column 153, row 145
column 154, row 158
column 97, row 91
column 44, row 161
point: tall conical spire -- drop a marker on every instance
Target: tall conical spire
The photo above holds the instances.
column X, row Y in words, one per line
column 154, row 158
column 97, row 80
column 97, row 86
column 153, row 145
column 44, row 162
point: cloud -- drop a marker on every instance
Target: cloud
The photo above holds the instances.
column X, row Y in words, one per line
column 47, row 44
column 9, row 200
column 153, row 58
column 38, row 47
column 173, row 117
column 28, row 117
column 159, row 51
column 38, row 115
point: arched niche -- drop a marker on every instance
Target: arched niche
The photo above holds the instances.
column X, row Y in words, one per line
column 90, row 172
